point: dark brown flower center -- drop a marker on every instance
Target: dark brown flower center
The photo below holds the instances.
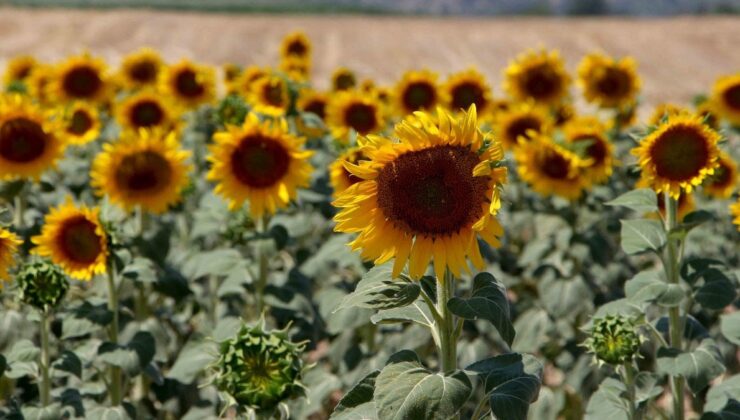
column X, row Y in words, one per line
column 361, row 117
column 732, row 97
column 143, row 173
column 272, row 93
column 22, row 140
column 146, row 113
column 260, row 161
column 520, row 127
column 466, row 94
column 680, row 153
column 614, row 83
column 554, row 164
column 541, row 82
column 297, row 48
column 144, row 71
column 345, row 81
column 419, row 95
column 596, row 149
column 82, row 82
column 79, row 241
column 187, row 84
column 80, row 122
column 317, row 107
column 22, row 72
column 432, row 191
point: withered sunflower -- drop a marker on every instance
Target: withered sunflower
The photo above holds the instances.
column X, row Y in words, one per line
column 80, row 78
column 521, row 120
column 726, row 95
column 81, row 123
column 189, row 84
column 147, row 109
column 724, row 180
column 426, row 197
column 608, row 82
column 417, row 90
column 8, row 249
column 353, row 110
column 539, row 76
column 467, row 88
column 141, row 69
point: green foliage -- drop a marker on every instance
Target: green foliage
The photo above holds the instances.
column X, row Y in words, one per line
column 489, row 302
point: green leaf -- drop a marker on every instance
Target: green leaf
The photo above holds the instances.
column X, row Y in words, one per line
column 729, row 324
column 85, row 319
column 565, row 297
column 621, row 307
column 69, row 362
column 193, row 359
column 649, row 287
column 3, row 365
column 359, row 395
column 219, row 262
column 511, row 381
column 643, row 200
column 731, row 411
column 720, row 394
column 108, row 413
column 717, row 291
column 489, row 302
column 699, row 367
column 642, row 235
column 226, row 328
column 365, row 411
column 607, row 402
column 133, row 357
column 690, row 221
column 141, row 270
column 417, row 312
column 52, row 412
column 377, row 290
column 404, row 389
column 22, row 359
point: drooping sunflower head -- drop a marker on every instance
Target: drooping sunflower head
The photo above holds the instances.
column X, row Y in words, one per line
column 74, row 239
column 296, row 45
column 735, row 211
column 41, row 284
column 19, row 69
column 9, row 243
column 724, row 180
column 188, row 83
column 678, row 155
column 270, row 96
column 353, row 110
column 30, row 143
column 340, row 177
column 551, row 169
column 537, row 75
column 726, row 95
column 245, row 82
column 145, row 168
column 613, row 340
column 343, row 79
column 417, row 91
column 588, row 138
column 466, row 88
column 82, row 123
column 141, row 69
column 522, row 120
column 259, row 162
column 426, row 197
column 663, row 111
column 80, row 78
column 147, row 109
column 608, row 82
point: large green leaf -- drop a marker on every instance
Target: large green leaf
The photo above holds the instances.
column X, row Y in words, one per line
column 643, row 200
column 489, row 302
column 729, row 324
column 133, row 357
column 417, row 312
column 22, row 360
column 512, row 382
column 68, row 362
column 720, row 394
column 649, row 287
column 404, row 389
column 717, row 291
column 358, row 403
column 608, row 402
column 699, row 367
column 377, row 290
column 193, row 359
column 731, row 411
column 565, row 297
column 85, row 319
column 642, row 235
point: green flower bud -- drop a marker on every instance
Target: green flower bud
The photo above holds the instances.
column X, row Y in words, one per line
column 613, row 340
column 258, row 369
column 42, row 284
column 231, row 110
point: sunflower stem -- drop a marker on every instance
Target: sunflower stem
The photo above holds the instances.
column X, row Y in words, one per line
column 446, row 327
column 629, row 381
column 45, row 388
column 263, row 267
column 20, row 209
column 115, row 371
column 675, row 319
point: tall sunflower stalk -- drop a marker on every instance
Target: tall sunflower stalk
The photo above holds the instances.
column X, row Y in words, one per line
column 116, row 375
column 671, row 266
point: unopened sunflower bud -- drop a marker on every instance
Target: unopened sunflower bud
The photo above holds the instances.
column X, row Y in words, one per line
column 613, row 340
column 42, row 284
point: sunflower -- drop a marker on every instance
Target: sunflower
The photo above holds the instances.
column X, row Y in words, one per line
column 144, row 168
column 8, row 247
column 353, row 110
column 296, row 68
column 665, row 110
column 679, row 154
column 426, row 197
column 417, row 90
column 467, row 88
column 82, row 123
column 722, row 184
column 523, row 120
column 343, row 79
column 562, row 113
column 537, row 75
column 260, row 162
column 29, row 142
column 270, row 96
column 83, row 78
column 608, row 82
column 147, row 109
column 188, row 83
column 588, row 136
column 18, row 69
column 735, row 211
column 726, row 95
column 311, row 101
column 74, row 239
column 707, row 109
column 232, row 71
column 141, row 69
column 37, row 82
column 550, row 169
column 244, row 83
column 339, row 176
column 296, row 45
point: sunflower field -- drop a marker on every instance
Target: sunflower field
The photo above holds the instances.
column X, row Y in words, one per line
column 185, row 241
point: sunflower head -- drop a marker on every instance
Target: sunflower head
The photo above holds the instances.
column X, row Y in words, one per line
column 296, row 45
column 427, row 196
column 678, row 154
column 613, row 340
column 19, row 69
column 724, row 180
column 245, row 82
column 231, row 71
column 735, row 211
column 312, row 102
column 339, row 176
column 30, row 142
column 417, row 91
column 232, row 110
column 726, row 95
column 297, row 69
column 343, row 79
column 141, row 69
column 259, row 162
column 9, row 243
column 521, row 121
column 466, row 88
column 270, row 96
column 37, row 83
column 188, row 83
column 551, row 169
column 608, row 82
column 147, row 109
column 587, row 136
column 146, row 168
column 537, row 75
column 353, row 110
column 41, row 284
column 258, row 369
column 81, row 123
column 82, row 78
